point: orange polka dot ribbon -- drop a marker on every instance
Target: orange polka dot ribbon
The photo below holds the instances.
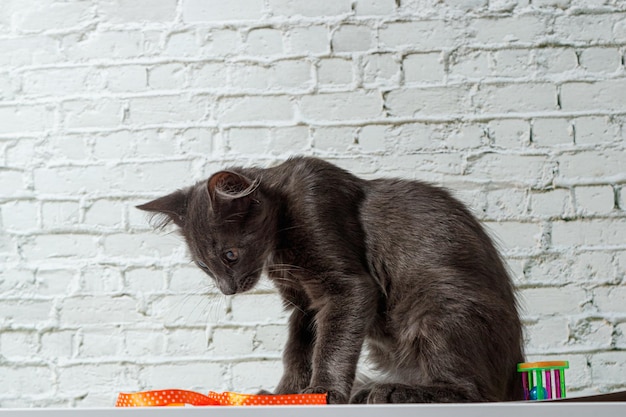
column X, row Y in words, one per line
column 177, row 397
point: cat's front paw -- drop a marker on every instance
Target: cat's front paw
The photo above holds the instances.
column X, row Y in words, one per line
column 332, row 397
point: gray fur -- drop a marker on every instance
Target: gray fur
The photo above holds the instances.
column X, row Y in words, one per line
column 399, row 264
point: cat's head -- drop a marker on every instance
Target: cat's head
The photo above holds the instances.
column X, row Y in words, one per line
column 228, row 225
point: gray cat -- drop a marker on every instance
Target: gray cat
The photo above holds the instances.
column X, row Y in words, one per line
column 399, row 264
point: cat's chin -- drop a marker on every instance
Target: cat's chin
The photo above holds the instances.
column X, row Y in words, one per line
column 246, row 284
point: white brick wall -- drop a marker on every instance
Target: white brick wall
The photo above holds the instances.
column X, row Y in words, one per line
column 516, row 105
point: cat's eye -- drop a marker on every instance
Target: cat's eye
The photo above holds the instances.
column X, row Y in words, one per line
column 202, row 265
column 231, row 255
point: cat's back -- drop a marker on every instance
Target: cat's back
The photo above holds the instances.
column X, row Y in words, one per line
column 415, row 225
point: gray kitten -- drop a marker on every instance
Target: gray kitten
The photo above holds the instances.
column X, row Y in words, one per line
column 399, row 264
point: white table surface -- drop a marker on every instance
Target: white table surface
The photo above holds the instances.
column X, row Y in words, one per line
column 421, row 410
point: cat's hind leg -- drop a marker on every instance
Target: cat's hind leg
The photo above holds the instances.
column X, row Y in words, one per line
column 400, row 393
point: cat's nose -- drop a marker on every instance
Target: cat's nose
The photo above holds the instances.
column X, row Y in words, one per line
column 227, row 287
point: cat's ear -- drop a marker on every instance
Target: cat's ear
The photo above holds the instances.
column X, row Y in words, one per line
column 172, row 208
column 231, row 191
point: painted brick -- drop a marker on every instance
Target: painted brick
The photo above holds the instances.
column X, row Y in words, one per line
column 380, row 70
column 375, row 7
column 100, row 310
column 508, row 203
column 555, row 60
column 188, row 310
column 335, row 72
column 596, row 267
column 114, row 44
column 100, row 343
column 608, row 367
column 264, row 41
column 197, row 376
column 144, row 280
column 593, row 129
column 20, row 215
column 255, row 108
column 341, row 106
column 308, row 40
column 119, row 11
column 56, row 282
column 595, row 200
column 584, row 28
column 269, row 373
column 552, row 203
column 184, row 342
column 57, row 344
column 552, row 301
column 287, row 140
column 167, row 77
column 600, row 59
column 35, row 49
column 496, row 98
column 510, row 133
column 512, row 63
column 248, row 140
column 123, row 244
column 620, row 341
column 25, row 312
column 26, row 118
column 610, row 299
column 75, row 378
column 352, row 38
column 550, row 132
column 511, row 236
column 156, row 143
column 60, row 246
column 272, row 338
column 515, row 29
column 588, row 233
column 59, row 214
column 547, row 335
column 230, row 342
column 419, row 35
column 372, row 138
column 423, row 68
column 291, row 74
column 590, row 164
column 220, row 42
column 65, row 81
column 214, row 10
column 601, row 95
column 308, row 8
column 27, row 378
column 190, row 280
column 104, row 213
column 51, row 15
column 258, row 308
column 16, row 281
column 167, row 109
column 184, row 43
column 427, row 101
column 92, row 114
column 474, row 64
column 128, row 78
column 500, row 167
column 16, row 345
column 591, row 334
column 334, row 139
column 98, row 280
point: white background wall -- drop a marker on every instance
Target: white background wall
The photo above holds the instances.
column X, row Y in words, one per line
column 517, row 105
